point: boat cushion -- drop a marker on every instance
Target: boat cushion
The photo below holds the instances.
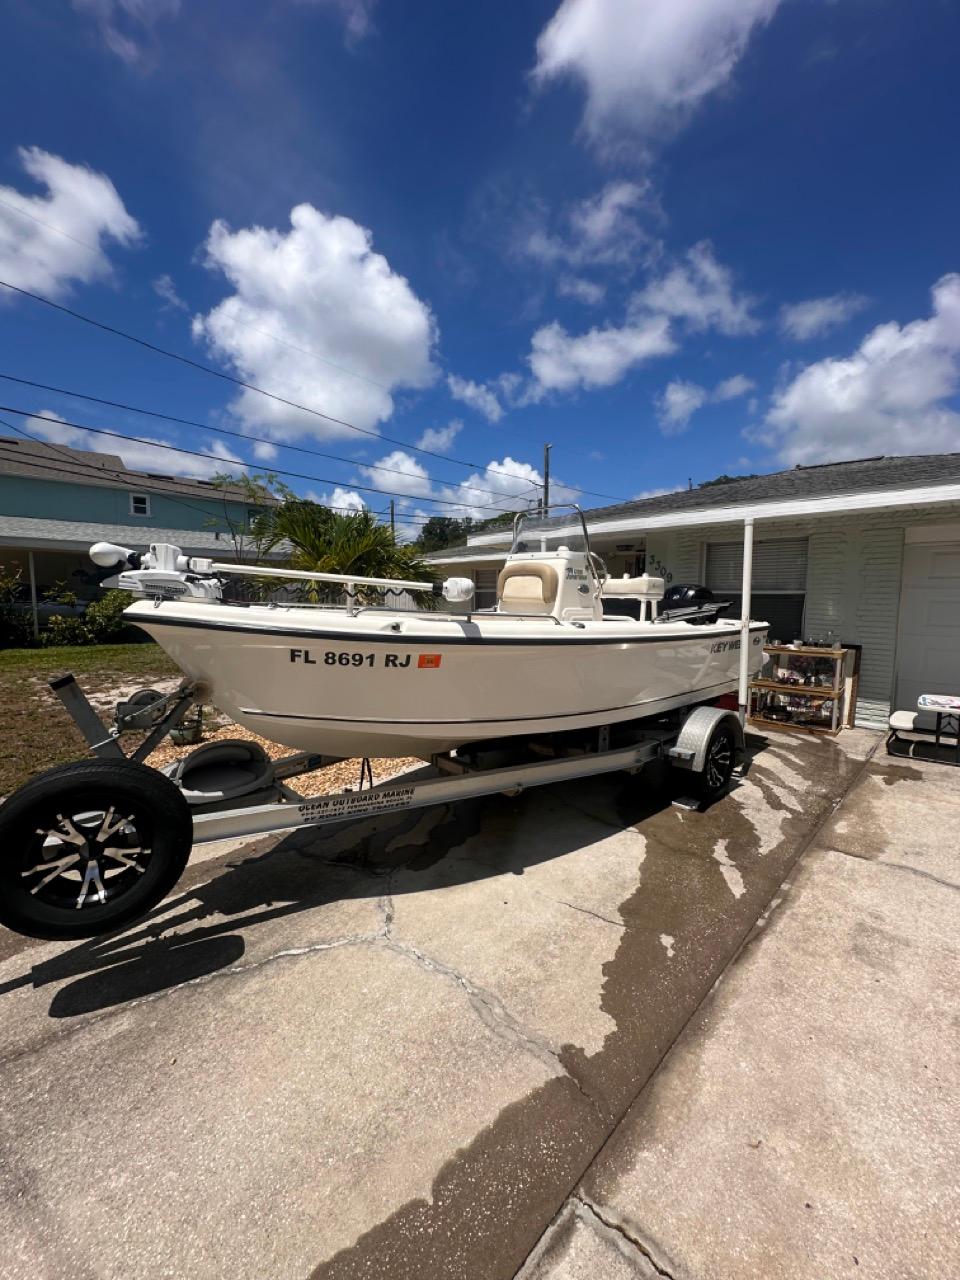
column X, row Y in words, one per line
column 526, row 586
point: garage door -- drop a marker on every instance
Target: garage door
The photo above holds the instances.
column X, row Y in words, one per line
column 928, row 655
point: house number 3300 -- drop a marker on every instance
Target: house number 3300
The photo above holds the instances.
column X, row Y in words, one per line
column 659, row 570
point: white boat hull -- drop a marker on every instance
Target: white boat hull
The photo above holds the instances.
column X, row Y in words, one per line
column 384, row 684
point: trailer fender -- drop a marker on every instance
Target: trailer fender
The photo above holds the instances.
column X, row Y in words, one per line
column 690, row 749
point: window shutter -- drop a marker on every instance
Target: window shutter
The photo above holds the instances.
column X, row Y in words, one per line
column 779, row 564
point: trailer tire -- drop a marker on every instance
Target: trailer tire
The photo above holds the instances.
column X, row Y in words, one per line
column 87, row 847
column 719, row 761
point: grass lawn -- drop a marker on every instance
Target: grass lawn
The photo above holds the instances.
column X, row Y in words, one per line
column 35, row 732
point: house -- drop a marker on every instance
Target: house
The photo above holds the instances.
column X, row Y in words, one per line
column 867, row 552
column 55, row 502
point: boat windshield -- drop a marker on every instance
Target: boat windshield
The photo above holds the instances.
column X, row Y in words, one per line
column 532, row 533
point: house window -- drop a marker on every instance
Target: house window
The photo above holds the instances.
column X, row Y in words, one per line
column 139, row 504
column 252, row 515
column 485, row 596
column 779, row 581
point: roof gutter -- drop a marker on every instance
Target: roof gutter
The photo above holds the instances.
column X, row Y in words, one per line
column 797, row 508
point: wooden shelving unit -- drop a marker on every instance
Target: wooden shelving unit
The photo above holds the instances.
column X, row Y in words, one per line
column 819, row 700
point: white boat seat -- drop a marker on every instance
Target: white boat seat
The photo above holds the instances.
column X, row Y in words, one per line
column 527, row 586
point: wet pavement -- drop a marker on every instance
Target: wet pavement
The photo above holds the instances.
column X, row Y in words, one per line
column 398, row 1051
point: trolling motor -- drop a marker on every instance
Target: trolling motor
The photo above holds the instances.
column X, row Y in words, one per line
column 162, row 572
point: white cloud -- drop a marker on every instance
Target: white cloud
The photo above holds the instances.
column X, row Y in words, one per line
column 652, row 493
column 317, row 290
column 264, row 451
column 700, row 291
column 889, row 396
column 697, row 291
column 412, row 482
column 817, row 316
column 47, row 242
column 475, row 395
column 603, row 230
column 148, row 454
column 440, row 439
column 166, row 291
column 681, row 399
column 510, row 485
column 355, row 15
column 561, row 361
column 123, row 23
column 586, row 291
column 502, row 485
column 676, row 405
column 342, row 500
column 732, row 388
column 646, row 64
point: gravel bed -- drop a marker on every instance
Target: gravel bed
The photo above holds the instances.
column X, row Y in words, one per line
column 335, row 777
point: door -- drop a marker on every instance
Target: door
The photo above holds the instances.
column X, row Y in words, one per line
column 928, row 653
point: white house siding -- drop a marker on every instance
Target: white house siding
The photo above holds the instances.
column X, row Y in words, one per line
column 854, row 572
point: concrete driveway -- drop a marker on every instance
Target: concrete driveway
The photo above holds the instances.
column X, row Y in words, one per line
column 393, row 1052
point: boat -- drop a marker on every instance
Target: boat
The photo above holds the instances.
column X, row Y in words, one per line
column 380, row 680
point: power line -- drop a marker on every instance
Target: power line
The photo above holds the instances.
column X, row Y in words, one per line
column 239, row 435
column 148, row 484
column 218, row 373
column 138, row 484
column 196, row 453
column 250, row 386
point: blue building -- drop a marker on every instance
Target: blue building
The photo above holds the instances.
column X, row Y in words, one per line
column 55, row 502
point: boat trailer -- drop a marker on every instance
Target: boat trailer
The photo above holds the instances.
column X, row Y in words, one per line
column 90, row 846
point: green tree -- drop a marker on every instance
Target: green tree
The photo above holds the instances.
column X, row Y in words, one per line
column 325, row 541
column 440, row 532
column 259, row 492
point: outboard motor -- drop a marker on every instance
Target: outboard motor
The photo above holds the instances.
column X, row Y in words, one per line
column 688, row 602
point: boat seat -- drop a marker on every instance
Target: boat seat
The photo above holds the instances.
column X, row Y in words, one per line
column 527, row 586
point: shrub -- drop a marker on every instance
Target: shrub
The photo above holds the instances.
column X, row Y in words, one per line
column 61, row 630
column 104, row 622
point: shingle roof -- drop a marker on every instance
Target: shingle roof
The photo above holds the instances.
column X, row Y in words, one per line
column 78, row 535
column 864, row 475
column 42, row 461
column 471, row 554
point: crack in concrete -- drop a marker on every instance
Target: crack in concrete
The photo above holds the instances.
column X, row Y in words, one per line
column 488, row 1007
column 898, row 866
column 617, row 924
column 494, row 1015
column 234, row 970
column 642, row 1247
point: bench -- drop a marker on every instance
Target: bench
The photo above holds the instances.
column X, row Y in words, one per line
column 945, row 707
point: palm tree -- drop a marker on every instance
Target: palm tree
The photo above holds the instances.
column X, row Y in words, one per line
column 325, row 541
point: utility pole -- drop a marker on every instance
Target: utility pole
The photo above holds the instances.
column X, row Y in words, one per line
column 393, row 518
column 546, row 476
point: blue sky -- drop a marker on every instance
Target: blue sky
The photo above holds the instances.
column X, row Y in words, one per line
column 673, row 237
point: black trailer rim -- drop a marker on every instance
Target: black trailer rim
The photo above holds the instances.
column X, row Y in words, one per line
column 719, row 763
column 86, row 854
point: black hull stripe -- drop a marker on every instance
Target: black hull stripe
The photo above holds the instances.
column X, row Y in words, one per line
column 394, row 637
column 702, row 695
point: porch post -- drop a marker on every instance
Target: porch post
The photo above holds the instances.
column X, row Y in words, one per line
column 33, row 595
column 746, row 588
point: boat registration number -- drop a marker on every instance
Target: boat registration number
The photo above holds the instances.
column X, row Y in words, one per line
column 341, row 658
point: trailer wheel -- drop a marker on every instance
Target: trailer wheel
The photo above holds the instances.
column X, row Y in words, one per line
column 87, row 847
column 719, row 761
